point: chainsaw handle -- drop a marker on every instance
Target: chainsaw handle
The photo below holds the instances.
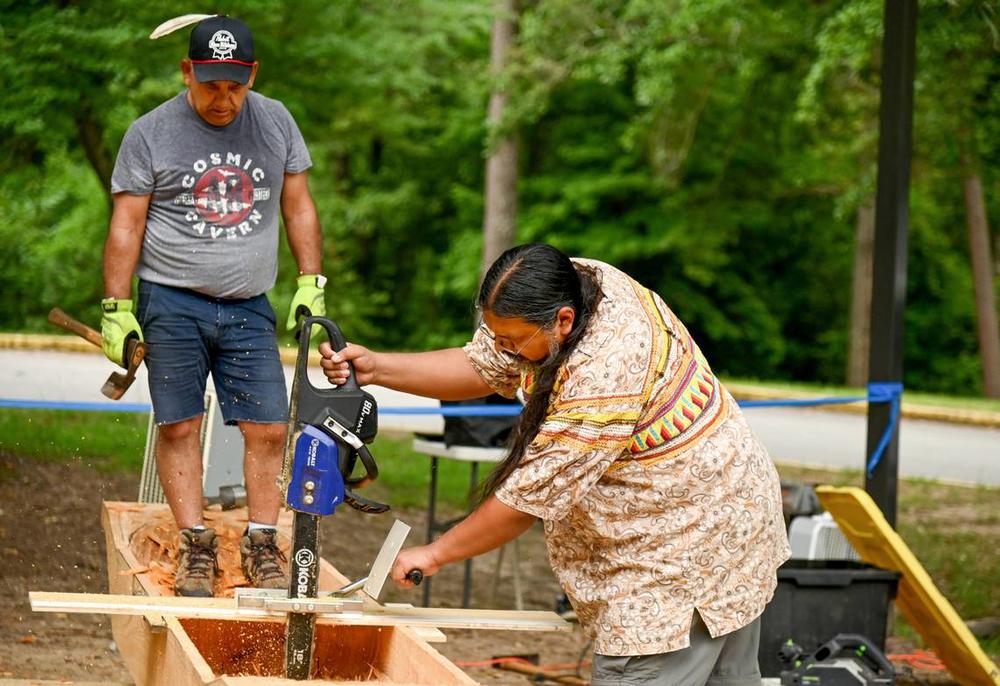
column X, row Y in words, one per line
column 337, row 342
column 861, row 646
column 371, row 469
column 363, row 504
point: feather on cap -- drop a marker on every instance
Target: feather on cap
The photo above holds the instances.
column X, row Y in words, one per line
column 171, row 25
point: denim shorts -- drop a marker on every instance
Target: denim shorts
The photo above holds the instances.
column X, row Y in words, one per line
column 190, row 334
column 729, row 660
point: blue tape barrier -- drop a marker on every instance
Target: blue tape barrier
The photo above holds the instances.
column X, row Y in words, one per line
column 446, row 411
column 878, row 392
column 803, row 402
column 71, row 405
column 884, row 392
column 457, row 410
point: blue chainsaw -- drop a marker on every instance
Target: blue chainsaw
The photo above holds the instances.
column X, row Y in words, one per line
column 328, row 431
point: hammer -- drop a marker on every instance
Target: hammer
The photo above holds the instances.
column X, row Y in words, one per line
column 135, row 352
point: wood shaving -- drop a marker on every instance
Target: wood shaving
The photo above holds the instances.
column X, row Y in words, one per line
column 156, row 545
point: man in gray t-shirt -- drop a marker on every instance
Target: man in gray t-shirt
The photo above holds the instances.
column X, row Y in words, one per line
column 198, row 186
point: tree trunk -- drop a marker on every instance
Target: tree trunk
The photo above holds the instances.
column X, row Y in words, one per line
column 861, row 295
column 982, row 277
column 91, row 137
column 500, row 212
column 342, row 170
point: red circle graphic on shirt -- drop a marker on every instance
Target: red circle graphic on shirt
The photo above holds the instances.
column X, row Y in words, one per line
column 224, row 195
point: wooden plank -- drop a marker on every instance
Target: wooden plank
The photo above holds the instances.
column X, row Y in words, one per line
column 424, row 633
column 923, row 605
column 116, row 550
column 182, row 661
column 408, row 660
column 140, row 646
column 448, row 618
column 428, row 634
column 226, row 609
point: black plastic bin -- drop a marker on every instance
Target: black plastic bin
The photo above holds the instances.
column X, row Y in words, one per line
column 818, row 599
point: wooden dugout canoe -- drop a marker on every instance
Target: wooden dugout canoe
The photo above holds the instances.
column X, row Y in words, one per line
column 162, row 650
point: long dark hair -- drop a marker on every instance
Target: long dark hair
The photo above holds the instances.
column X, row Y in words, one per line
column 533, row 282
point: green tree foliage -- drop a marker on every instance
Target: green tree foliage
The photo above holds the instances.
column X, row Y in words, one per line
column 715, row 149
column 955, row 110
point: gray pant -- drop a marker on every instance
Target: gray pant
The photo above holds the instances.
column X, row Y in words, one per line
column 729, row 660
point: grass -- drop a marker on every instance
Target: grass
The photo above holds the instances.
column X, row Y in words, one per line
column 111, row 441
column 951, row 529
column 405, row 476
column 107, row 441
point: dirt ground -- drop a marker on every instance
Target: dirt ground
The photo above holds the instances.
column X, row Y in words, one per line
column 51, row 540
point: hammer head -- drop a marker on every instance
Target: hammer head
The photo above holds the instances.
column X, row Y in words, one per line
column 118, row 383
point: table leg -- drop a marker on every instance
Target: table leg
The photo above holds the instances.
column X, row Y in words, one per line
column 518, row 602
column 496, row 575
column 431, row 522
column 467, row 586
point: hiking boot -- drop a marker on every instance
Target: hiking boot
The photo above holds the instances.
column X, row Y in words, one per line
column 196, row 563
column 263, row 562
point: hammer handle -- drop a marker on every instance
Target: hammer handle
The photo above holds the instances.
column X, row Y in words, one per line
column 61, row 319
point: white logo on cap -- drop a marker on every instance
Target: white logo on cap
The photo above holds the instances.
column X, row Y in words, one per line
column 223, row 45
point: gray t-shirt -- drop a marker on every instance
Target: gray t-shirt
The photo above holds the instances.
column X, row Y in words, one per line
column 212, row 224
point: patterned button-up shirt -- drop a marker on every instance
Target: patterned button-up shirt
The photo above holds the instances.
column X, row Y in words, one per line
column 657, row 498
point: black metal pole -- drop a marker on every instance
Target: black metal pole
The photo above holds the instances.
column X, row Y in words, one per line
column 891, row 223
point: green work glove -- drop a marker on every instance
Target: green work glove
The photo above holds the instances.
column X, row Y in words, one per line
column 118, row 326
column 308, row 300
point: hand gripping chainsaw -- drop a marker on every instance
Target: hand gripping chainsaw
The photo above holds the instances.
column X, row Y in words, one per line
column 327, row 432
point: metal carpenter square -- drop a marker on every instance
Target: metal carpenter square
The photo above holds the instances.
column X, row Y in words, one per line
column 386, row 556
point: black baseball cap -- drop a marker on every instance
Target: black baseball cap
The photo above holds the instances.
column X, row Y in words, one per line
column 221, row 49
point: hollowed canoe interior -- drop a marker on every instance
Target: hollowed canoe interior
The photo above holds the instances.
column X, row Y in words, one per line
column 340, row 653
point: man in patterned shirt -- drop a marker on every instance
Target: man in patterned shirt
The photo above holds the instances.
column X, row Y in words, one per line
column 662, row 510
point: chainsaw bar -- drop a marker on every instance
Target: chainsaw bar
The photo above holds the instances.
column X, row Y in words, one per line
column 303, row 583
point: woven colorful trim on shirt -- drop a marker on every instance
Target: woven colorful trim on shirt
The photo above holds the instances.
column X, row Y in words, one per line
column 693, row 406
column 588, row 430
column 528, row 382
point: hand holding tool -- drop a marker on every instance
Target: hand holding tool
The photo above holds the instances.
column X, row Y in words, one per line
column 308, row 300
column 118, row 327
column 373, row 583
column 327, row 433
column 135, row 352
